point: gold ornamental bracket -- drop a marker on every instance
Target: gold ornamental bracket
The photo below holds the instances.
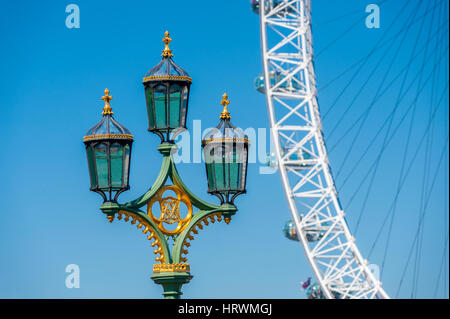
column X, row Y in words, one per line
column 147, row 230
column 170, row 210
column 166, row 212
column 194, row 230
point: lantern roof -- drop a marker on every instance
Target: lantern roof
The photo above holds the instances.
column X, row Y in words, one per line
column 108, row 127
column 167, row 69
column 225, row 130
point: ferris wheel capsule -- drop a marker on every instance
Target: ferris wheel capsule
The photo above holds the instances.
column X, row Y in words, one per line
column 314, row 232
column 314, row 292
column 278, row 81
column 289, row 230
column 271, row 160
column 268, row 4
column 299, row 159
column 254, row 4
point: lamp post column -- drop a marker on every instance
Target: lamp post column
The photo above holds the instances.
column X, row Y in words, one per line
column 168, row 210
column 171, row 283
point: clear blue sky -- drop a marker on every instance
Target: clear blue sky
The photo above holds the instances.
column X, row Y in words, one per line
column 51, row 84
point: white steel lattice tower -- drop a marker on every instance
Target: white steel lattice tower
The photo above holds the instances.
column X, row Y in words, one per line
column 290, row 88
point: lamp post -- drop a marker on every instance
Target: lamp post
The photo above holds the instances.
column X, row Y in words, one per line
column 168, row 210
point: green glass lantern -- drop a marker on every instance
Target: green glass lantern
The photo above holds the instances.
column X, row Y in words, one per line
column 108, row 149
column 167, row 95
column 226, row 156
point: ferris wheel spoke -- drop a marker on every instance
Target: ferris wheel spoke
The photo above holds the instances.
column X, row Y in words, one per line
column 302, row 156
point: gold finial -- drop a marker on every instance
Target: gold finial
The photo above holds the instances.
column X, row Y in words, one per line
column 166, row 40
column 225, row 114
column 107, row 109
column 110, row 218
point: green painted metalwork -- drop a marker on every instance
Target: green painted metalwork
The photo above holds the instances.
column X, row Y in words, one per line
column 171, row 281
column 108, row 147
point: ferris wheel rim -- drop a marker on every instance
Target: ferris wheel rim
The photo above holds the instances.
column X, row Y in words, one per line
column 315, row 117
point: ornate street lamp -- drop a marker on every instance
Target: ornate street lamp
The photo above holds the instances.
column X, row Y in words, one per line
column 108, row 148
column 226, row 158
column 168, row 210
column 167, row 95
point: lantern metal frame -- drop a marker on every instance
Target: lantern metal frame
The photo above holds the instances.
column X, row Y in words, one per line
column 125, row 186
column 224, row 141
column 167, row 74
column 224, row 194
column 164, row 133
column 96, row 136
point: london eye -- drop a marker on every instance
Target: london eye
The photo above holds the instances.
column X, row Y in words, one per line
column 300, row 154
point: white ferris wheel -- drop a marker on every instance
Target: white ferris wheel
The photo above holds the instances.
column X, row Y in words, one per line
column 289, row 84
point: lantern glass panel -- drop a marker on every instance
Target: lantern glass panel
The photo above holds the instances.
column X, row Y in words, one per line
column 126, row 166
column 101, row 161
column 240, row 162
column 222, row 175
column 116, row 153
column 209, row 154
column 243, row 160
column 209, row 159
column 159, row 94
column 221, row 171
column 232, row 167
column 175, row 101
column 235, row 170
column 184, row 105
column 210, row 176
column 91, row 165
column 150, row 111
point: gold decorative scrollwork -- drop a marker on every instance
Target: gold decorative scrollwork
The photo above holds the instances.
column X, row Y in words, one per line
column 194, row 231
column 107, row 136
column 170, row 210
column 183, row 267
column 146, row 229
column 167, row 77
